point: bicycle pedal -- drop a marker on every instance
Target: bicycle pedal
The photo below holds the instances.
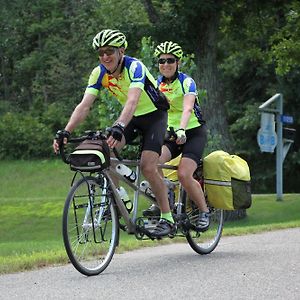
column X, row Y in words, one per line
column 143, row 227
column 150, row 223
column 143, row 234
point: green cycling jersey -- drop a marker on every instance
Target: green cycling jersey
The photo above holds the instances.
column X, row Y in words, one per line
column 175, row 91
column 133, row 74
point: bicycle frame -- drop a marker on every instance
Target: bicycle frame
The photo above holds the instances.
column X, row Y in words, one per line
column 130, row 221
column 111, row 172
column 93, row 207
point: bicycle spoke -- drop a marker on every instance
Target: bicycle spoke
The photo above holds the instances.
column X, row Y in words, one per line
column 205, row 242
column 90, row 226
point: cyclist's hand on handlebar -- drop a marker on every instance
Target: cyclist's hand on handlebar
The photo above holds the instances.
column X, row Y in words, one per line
column 170, row 135
column 181, row 137
column 60, row 137
column 115, row 135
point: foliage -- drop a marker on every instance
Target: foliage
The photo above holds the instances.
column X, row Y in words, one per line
column 253, row 75
column 240, row 52
column 285, row 42
column 24, row 137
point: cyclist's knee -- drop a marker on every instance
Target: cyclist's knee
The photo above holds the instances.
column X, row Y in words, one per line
column 148, row 169
column 184, row 176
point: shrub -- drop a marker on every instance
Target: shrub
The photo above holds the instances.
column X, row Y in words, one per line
column 24, row 137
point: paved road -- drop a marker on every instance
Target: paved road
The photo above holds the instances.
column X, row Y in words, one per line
column 260, row 266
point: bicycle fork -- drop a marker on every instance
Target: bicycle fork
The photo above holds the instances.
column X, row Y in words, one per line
column 94, row 213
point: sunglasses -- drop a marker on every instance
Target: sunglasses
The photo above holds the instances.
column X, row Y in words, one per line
column 169, row 61
column 107, row 51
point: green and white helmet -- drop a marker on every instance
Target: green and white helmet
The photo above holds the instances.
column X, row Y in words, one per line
column 109, row 37
column 169, row 48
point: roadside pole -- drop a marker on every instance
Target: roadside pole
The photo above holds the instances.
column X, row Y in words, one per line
column 268, row 138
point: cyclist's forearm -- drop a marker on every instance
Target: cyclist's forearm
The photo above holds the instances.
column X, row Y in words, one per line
column 130, row 106
column 78, row 116
column 127, row 113
column 185, row 119
column 188, row 105
column 80, row 112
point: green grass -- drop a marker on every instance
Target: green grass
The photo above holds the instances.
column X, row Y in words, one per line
column 266, row 213
column 32, row 195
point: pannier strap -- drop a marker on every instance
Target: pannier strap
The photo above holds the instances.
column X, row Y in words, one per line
column 217, row 182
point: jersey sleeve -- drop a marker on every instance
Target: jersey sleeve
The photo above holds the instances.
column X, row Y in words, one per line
column 95, row 81
column 137, row 74
column 189, row 86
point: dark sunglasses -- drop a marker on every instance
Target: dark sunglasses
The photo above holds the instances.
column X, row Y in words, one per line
column 108, row 51
column 169, row 61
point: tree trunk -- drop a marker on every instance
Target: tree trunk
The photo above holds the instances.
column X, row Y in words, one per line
column 151, row 11
column 213, row 107
column 202, row 28
column 4, row 78
column 208, row 78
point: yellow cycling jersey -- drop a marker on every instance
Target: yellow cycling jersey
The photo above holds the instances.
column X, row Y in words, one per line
column 134, row 74
column 175, row 92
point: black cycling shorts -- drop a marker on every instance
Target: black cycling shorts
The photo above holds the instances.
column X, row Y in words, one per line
column 152, row 127
column 193, row 147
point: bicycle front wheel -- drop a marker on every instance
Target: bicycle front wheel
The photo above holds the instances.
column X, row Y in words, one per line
column 90, row 225
column 205, row 242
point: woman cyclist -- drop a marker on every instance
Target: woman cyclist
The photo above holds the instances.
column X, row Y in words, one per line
column 184, row 116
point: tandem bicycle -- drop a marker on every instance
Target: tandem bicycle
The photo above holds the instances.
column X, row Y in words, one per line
column 94, row 212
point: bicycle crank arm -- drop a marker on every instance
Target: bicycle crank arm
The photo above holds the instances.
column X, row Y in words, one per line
column 142, row 231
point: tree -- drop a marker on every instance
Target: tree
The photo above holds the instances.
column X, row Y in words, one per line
column 269, row 63
column 181, row 19
column 245, row 51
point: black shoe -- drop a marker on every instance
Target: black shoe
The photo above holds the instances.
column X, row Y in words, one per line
column 152, row 211
column 163, row 228
column 202, row 223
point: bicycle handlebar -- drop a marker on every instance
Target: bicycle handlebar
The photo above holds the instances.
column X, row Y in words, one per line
column 170, row 136
column 90, row 135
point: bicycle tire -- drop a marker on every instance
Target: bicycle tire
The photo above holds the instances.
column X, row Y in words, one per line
column 205, row 242
column 90, row 225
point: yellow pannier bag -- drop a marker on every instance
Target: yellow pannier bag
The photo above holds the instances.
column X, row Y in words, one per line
column 173, row 177
column 227, row 181
column 172, row 174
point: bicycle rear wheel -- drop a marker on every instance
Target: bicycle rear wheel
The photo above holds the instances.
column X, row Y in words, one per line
column 205, row 242
column 90, row 225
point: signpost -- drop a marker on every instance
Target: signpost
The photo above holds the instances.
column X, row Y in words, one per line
column 268, row 138
column 266, row 135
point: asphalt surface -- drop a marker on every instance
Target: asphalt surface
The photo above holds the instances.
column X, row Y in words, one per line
column 258, row 266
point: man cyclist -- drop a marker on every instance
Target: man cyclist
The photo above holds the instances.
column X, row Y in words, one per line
column 185, row 117
column 144, row 108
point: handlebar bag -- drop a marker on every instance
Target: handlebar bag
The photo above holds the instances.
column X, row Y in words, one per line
column 227, row 181
column 90, row 156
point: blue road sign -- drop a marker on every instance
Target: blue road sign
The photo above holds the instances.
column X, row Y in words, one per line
column 267, row 141
column 287, row 119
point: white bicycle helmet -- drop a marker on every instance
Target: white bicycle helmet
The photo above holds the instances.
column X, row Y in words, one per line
column 109, row 37
column 169, row 48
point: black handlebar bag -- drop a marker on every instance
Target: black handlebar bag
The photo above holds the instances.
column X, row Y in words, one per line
column 90, row 156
